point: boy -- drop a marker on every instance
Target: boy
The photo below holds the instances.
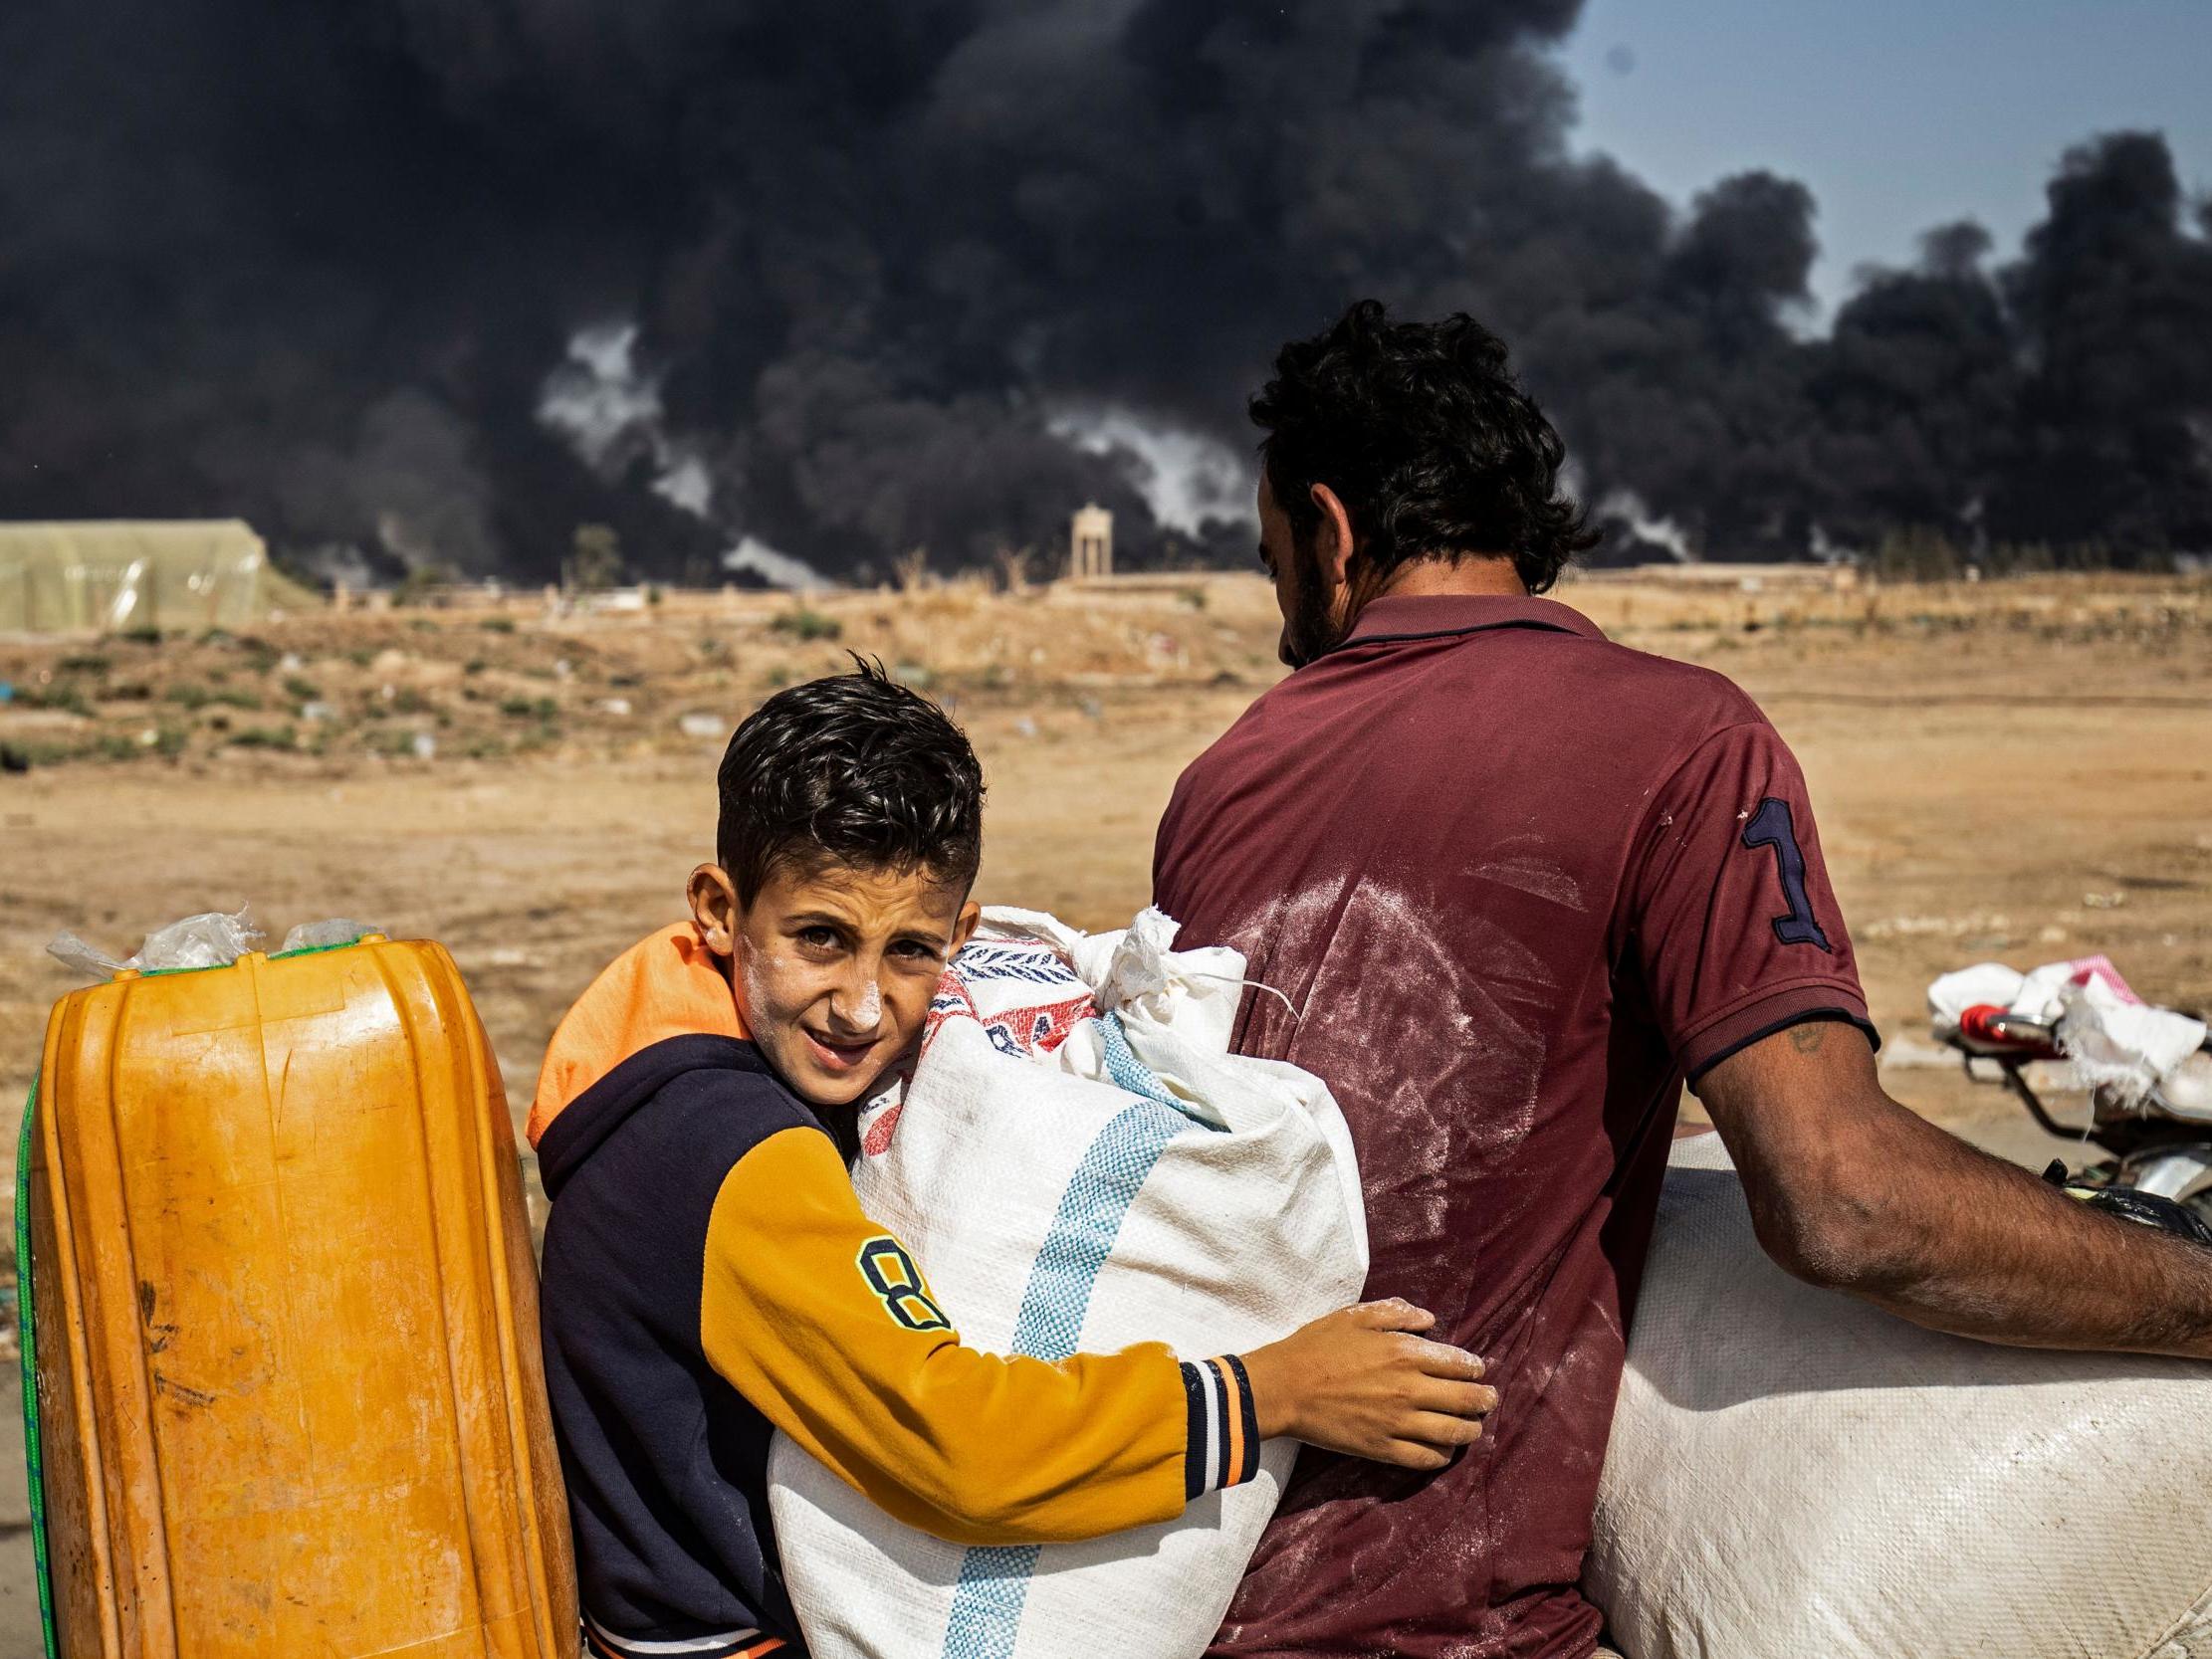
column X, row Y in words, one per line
column 708, row 1273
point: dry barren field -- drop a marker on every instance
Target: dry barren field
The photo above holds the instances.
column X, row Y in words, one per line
column 2017, row 770
column 2020, row 770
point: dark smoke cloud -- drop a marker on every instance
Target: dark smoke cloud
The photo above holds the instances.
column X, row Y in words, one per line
column 316, row 265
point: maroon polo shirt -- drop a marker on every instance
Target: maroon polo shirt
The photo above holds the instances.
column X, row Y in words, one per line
column 1517, row 881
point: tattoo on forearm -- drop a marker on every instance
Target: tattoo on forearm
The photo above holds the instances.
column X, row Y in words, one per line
column 1807, row 1036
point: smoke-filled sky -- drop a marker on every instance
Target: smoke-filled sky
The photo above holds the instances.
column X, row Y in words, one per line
column 1899, row 113
column 438, row 280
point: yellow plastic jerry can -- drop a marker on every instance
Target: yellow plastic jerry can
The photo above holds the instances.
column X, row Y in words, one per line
column 291, row 1401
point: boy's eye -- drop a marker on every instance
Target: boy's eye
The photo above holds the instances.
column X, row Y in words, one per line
column 818, row 938
column 915, row 950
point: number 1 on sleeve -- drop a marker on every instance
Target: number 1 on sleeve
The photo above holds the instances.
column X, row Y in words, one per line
column 1771, row 826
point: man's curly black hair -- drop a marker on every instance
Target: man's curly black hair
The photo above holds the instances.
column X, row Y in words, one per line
column 1426, row 436
column 852, row 768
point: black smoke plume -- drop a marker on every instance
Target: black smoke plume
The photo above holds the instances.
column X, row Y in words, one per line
column 329, row 268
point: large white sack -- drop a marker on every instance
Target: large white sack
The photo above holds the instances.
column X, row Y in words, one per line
column 1794, row 1473
column 1080, row 1163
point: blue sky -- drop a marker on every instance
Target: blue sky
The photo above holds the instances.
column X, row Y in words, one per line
column 1898, row 116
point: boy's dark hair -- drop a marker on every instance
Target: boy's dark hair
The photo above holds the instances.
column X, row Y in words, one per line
column 852, row 768
column 1423, row 432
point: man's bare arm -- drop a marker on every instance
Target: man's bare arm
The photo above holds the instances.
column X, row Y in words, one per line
column 1849, row 1189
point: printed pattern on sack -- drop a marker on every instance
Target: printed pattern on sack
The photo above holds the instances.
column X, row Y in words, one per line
column 877, row 1140
column 1036, row 965
column 1025, row 1032
column 950, row 1001
column 995, row 1581
column 1037, row 1027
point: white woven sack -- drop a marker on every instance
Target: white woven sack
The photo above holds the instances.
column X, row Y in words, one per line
column 1080, row 1163
column 1795, row 1473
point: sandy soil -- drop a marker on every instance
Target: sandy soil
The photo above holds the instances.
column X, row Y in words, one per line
column 2020, row 771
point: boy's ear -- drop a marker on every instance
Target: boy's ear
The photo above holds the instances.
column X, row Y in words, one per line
column 964, row 929
column 715, row 909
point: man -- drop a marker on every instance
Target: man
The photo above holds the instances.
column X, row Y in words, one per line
column 1517, row 883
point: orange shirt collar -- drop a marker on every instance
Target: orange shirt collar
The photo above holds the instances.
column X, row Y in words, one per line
column 668, row 984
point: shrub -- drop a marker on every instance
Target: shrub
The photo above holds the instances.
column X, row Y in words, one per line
column 424, row 583
column 302, row 690
column 65, row 694
column 806, row 623
column 187, row 694
column 595, row 558
column 264, row 737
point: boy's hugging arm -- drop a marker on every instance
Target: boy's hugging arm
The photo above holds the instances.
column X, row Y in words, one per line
column 824, row 1322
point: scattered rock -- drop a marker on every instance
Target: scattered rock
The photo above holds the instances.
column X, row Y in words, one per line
column 1910, row 1054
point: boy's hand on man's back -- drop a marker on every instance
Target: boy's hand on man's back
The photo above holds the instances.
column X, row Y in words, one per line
column 1362, row 1381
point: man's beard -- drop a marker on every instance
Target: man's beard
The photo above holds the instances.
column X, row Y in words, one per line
column 1309, row 632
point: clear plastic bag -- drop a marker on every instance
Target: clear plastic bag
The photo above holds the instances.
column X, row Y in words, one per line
column 315, row 936
column 209, row 939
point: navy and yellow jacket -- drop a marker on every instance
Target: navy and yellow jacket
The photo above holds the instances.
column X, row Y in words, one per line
column 709, row 1275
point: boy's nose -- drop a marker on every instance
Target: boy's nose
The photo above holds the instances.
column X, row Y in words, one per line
column 858, row 1007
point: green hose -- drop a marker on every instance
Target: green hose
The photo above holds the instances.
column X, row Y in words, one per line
column 31, row 1460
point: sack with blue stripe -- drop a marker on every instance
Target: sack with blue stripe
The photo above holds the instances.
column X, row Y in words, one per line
column 1079, row 1162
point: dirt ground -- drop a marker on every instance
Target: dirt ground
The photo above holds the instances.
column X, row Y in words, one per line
column 2019, row 771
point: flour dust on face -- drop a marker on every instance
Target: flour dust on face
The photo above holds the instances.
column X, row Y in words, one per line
column 833, row 968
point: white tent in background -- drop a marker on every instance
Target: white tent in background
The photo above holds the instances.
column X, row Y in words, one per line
column 111, row 576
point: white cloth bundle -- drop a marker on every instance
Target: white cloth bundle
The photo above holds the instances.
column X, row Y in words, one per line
column 1794, row 1472
column 2116, row 1041
column 1080, row 1163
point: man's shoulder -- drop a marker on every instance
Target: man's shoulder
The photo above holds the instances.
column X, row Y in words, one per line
column 1677, row 704
column 1697, row 700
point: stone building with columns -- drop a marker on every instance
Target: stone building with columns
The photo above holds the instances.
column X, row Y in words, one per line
column 1091, row 544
